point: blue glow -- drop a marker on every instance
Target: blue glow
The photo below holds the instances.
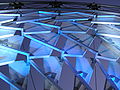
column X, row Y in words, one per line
column 81, row 74
column 6, row 62
column 6, row 36
column 106, row 16
column 81, row 19
column 9, row 14
column 86, row 14
column 35, row 57
column 11, row 28
column 20, row 67
column 7, row 80
column 77, row 44
column 102, row 22
column 6, row 21
column 105, row 19
column 108, row 35
column 37, row 32
column 113, row 78
column 43, row 12
column 82, row 32
column 72, row 55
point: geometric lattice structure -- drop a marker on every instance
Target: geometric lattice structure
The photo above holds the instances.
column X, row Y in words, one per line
column 51, row 46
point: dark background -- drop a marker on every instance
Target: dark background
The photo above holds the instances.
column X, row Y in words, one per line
column 111, row 2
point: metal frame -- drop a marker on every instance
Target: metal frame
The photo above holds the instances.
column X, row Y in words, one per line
column 85, row 19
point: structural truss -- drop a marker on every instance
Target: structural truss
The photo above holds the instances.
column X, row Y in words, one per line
column 51, row 46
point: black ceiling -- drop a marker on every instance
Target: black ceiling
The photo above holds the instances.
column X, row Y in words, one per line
column 111, row 2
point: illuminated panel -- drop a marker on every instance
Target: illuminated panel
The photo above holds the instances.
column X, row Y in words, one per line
column 9, row 28
column 102, row 22
column 109, row 35
column 6, row 36
column 78, row 31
